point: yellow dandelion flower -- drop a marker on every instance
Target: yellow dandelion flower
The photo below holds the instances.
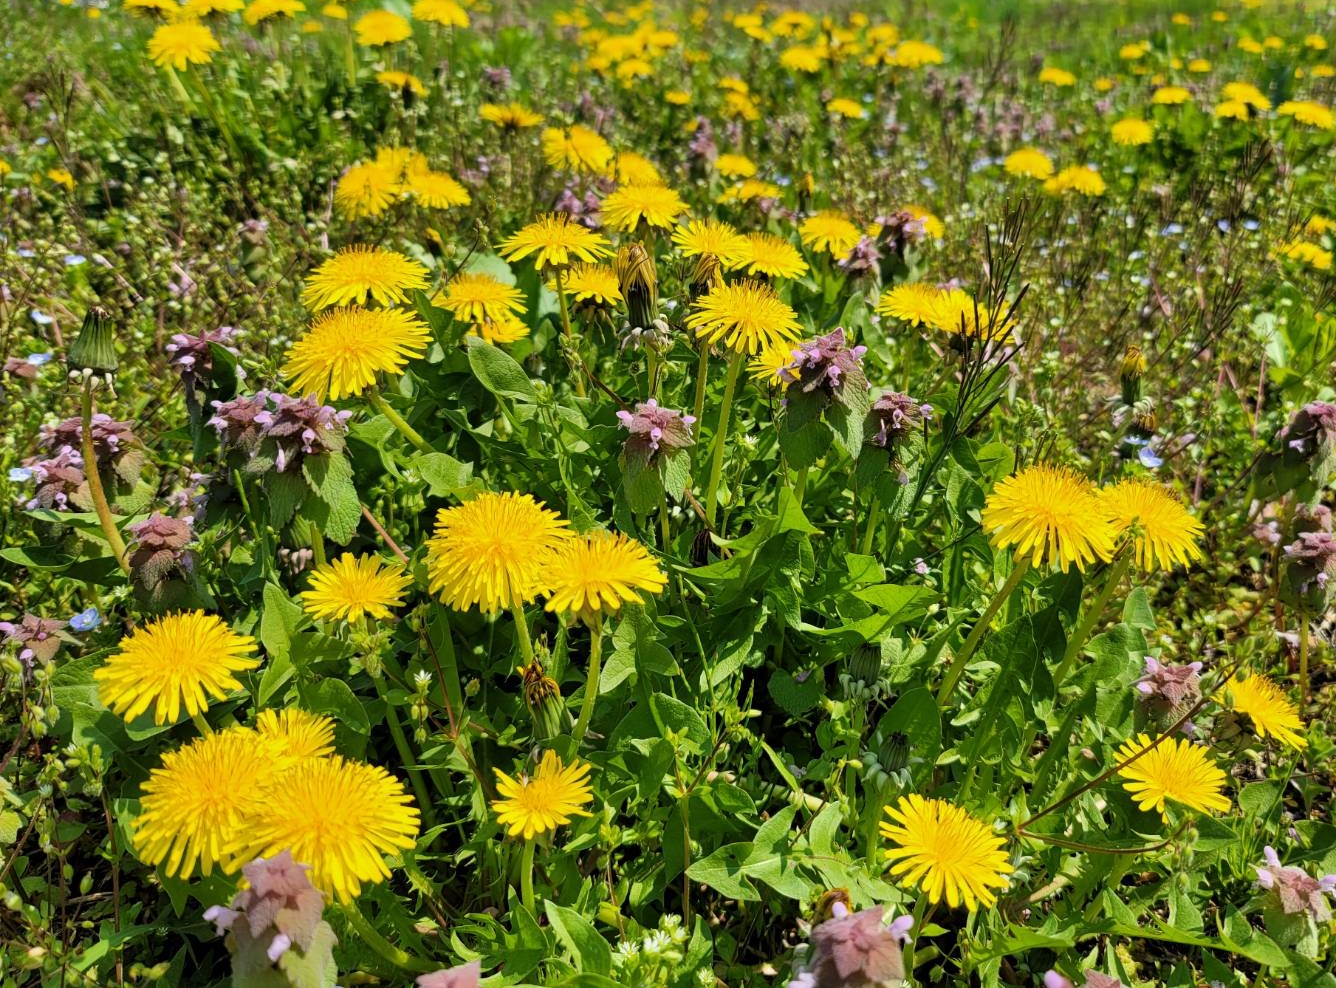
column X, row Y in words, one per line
column 1104, row 84
column 829, row 231
column 293, row 736
column 350, row 586
column 677, row 97
column 1161, row 530
column 750, row 189
column 636, row 169
column 768, row 366
column 550, row 798
column 1319, row 225
column 506, row 328
column 745, row 316
column 177, row 660
column 1082, row 179
column 914, row 55
column 151, row 7
column 593, row 284
column 802, row 58
column 1054, row 76
column 479, row 297
column 1131, row 132
column 381, row 27
column 490, row 551
column 741, row 105
column 345, row 349
column 340, row 817
column 1312, row 255
column 509, row 116
column 595, row 573
column 263, row 10
column 955, row 311
column 932, row 226
column 1308, row 113
column 556, row 242
column 1233, row 110
column 1199, row 66
column 192, row 806
column 768, row 255
column 367, row 189
column 1170, row 96
column 1177, row 770
column 61, row 176
column 1028, row 163
column 735, row 166
column 950, row 855
column 632, row 205
column 916, row 304
column 335, row 11
column 1049, row 514
column 714, row 237
column 437, row 190
column 577, row 149
column 1246, row 93
column 1133, row 52
column 181, row 44
column 1268, row 708
column 400, row 81
column 444, row 12
column 357, row 273
column 844, row 107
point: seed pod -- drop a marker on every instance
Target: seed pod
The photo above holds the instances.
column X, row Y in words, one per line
column 639, row 283
column 93, row 350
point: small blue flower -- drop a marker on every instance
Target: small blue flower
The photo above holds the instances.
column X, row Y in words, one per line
column 1148, row 458
column 86, row 620
column 38, row 359
column 41, row 318
column 20, row 475
column 74, row 260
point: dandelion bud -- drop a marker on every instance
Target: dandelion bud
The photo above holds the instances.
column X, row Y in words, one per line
column 705, row 274
column 865, row 663
column 93, row 351
column 542, row 696
column 1130, row 371
column 639, row 284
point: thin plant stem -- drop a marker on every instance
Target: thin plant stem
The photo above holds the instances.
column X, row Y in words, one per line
column 976, row 634
column 566, row 325
column 664, row 534
column 873, row 522
column 522, row 633
column 425, row 802
column 720, row 440
column 95, row 488
column 205, row 728
column 526, row 875
column 702, row 373
column 920, row 908
column 1303, row 656
column 378, row 402
column 317, row 545
column 591, row 685
column 386, row 950
column 1091, row 617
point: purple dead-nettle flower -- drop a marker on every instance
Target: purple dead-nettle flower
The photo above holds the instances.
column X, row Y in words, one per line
column 1312, row 427
column 900, row 230
column 235, row 420
column 864, row 258
column 702, row 146
column 111, row 439
column 898, row 418
column 826, row 363
column 1315, row 554
column 1293, row 889
column 37, row 637
column 496, row 78
column 158, row 549
column 1169, row 691
column 57, row 479
column 278, row 911
column 301, row 426
column 856, row 950
column 1093, row 979
column 192, row 356
column 654, row 430
column 464, row 976
column 1267, row 532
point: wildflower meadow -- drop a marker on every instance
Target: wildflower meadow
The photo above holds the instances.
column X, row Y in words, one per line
column 668, row 494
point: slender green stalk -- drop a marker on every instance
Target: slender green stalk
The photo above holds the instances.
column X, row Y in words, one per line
column 425, row 803
column 205, row 728
column 1303, row 656
column 721, row 439
column 976, row 634
column 526, row 876
column 388, row 951
column 665, row 538
column 702, row 373
column 95, row 488
column 522, row 633
column 1091, row 617
column 566, row 326
column 591, row 685
column 317, row 545
column 378, row 402
column 800, row 486
column 873, row 522
column 920, row 908
column 180, row 90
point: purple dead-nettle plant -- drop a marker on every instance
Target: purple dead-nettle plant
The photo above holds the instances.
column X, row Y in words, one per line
column 655, row 430
column 58, row 478
column 38, row 638
column 827, row 364
column 1168, row 692
column 1093, row 979
column 1293, row 890
column 113, row 441
column 463, row 976
column 235, row 420
column 863, row 259
column 192, row 354
column 302, row 427
column 856, row 950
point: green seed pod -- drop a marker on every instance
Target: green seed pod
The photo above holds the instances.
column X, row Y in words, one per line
column 93, row 350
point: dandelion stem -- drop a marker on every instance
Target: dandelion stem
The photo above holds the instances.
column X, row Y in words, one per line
column 664, row 534
column 205, row 728
column 526, row 875
column 1303, row 656
column 522, row 633
column 976, row 634
column 720, row 440
column 591, row 685
column 373, row 939
column 566, row 326
column 379, row 403
column 425, row 802
column 702, row 373
column 873, row 522
column 95, row 488
column 1091, row 617
column 920, row 908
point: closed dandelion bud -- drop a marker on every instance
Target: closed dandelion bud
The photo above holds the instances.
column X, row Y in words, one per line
column 894, row 753
column 706, row 272
column 639, row 284
column 1144, row 420
column 865, row 663
column 93, row 351
column 542, row 697
column 1130, row 371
